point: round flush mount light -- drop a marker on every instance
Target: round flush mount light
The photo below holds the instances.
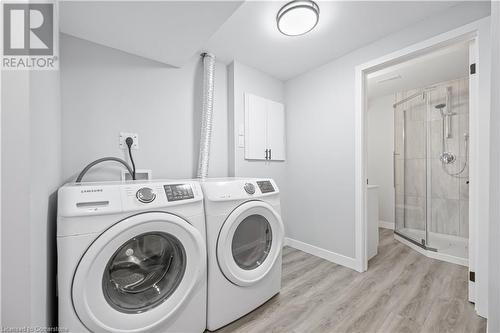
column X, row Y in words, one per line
column 297, row 17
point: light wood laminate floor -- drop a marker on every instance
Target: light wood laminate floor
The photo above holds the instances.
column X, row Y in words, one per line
column 402, row 291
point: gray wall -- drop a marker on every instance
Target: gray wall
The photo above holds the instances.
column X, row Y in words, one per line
column 105, row 92
column 30, row 175
column 244, row 79
column 16, row 271
column 45, row 180
column 321, row 104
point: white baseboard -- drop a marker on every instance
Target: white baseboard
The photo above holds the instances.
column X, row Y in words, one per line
column 322, row 253
column 386, row 225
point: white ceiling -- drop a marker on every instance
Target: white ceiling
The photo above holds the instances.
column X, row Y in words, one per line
column 172, row 32
column 166, row 31
column 251, row 36
column 439, row 66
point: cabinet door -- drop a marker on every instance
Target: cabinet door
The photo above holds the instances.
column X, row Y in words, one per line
column 255, row 127
column 276, row 130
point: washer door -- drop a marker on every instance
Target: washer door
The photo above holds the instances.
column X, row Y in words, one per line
column 138, row 273
column 249, row 243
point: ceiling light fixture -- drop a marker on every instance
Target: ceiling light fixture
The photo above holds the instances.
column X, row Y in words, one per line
column 297, row 17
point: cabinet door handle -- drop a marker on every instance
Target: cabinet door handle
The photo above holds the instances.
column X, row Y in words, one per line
column 267, row 153
column 270, row 154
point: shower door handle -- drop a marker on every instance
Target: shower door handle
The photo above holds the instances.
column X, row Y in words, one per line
column 267, row 151
column 394, row 168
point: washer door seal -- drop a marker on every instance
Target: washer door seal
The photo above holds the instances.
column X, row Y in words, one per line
column 103, row 299
column 250, row 242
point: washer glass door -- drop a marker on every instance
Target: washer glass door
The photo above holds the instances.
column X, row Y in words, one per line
column 250, row 242
column 138, row 273
column 144, row 271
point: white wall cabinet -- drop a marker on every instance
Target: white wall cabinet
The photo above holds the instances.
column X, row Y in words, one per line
column 264, row 129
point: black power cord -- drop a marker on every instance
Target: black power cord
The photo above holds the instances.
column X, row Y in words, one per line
column 129, row 141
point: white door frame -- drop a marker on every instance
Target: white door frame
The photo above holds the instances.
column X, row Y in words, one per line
column 478, row 33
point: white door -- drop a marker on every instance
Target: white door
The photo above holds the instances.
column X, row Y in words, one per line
column 255, row 127
column 276, row 130
column 249, row 243
column 138, row 273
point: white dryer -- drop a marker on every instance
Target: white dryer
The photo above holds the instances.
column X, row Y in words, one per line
column 131, row 257
column 244, row 241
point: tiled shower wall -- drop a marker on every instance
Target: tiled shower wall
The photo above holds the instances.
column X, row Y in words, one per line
column 419, row 172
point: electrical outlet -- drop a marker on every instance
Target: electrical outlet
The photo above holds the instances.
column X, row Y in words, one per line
column 124, row 136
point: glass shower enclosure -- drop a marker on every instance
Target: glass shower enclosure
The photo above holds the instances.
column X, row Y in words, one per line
column 431, row 163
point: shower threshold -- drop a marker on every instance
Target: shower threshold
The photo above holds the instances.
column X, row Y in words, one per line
column 443, row 247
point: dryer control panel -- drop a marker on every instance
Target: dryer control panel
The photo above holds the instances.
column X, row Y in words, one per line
column 177, row 192
column 265, row 186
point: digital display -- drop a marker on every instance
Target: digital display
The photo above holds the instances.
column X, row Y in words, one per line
column 265, row 186
column 177, row 192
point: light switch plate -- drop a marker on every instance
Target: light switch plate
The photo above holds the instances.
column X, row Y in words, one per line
column 124, row 136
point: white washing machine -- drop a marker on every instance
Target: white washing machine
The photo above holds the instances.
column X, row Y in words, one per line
column 244, row 241
column 131, row 257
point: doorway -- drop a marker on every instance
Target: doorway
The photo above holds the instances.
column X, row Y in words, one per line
column 478, row 147
column 417, row 130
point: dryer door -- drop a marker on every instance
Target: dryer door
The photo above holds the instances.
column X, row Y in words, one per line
column 138, row 273
column 249, row 243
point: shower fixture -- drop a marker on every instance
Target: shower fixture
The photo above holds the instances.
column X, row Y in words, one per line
column 447, row 157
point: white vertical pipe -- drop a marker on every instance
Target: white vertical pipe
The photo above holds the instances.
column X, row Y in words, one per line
column 206, row 116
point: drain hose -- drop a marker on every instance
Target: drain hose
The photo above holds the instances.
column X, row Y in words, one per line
column 104, row 159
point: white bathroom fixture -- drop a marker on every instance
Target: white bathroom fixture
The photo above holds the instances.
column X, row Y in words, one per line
column 297, row 17
column 244, row 241
column 131, row 257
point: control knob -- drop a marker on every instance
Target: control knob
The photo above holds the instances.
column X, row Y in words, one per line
column 249, row 188
column 145, row 195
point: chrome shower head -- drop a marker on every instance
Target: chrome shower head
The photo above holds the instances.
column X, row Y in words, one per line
column 441, row 107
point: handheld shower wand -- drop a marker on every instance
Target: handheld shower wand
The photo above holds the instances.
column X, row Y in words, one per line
column 446, row 157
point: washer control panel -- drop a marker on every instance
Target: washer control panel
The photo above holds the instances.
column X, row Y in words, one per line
column 249, row 188
column 145, row 195
column 176, row 192
column 265, row 186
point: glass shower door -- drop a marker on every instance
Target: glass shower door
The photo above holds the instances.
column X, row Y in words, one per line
column 431, row 167
column 448, row 224
column 410, row 167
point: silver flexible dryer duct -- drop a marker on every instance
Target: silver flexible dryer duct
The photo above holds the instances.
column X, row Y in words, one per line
column 206, row 116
